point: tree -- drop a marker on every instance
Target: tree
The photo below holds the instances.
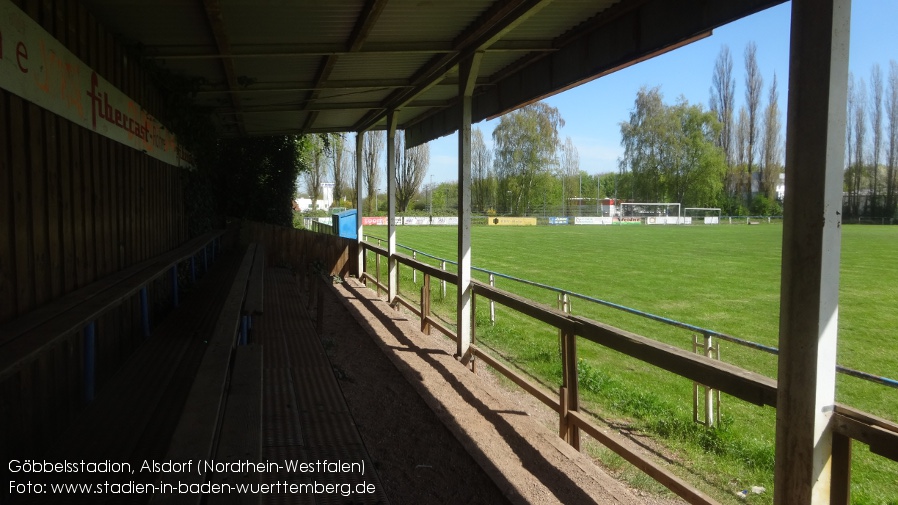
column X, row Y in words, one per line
column 373, row 146
column 723, row 101
column 643, row 140
column 771, row 148
column 411, row 167
column 313, row 158
column 525, row 141
column 339, row 168
column 892, row 150
column 876, row 123
column 256, row 177
column 670, row 152
column 754, row 84
column 569, row 168
column 483, row 180
column 860, row 137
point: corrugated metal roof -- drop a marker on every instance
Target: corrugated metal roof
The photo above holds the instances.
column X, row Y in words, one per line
column 275, row 66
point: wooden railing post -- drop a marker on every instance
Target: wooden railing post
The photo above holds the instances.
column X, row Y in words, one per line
column 377, row 272
column 709, row 392
column 425, row 305
column 473, row 330
column 319, row 313
column 840, row 485
column 395, row 302
column 570, row 400
column 364, row 266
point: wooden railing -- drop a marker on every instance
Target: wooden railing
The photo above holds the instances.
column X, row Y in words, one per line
column 848, row 424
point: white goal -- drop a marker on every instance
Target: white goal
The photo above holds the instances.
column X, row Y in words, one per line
column 651, row 213
column 705, row 215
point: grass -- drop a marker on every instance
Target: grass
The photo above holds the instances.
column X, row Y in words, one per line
column 724, row 278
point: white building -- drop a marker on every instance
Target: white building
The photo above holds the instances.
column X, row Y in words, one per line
column 325, row 203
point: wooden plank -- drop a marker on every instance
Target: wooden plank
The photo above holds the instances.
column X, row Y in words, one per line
column 127, row 207
column 71, row 312
column 105, row 169
column 527, row 307
column 143, row 208
column 38, row 201
column 100, row 239
column 541, row 395
column 79, row 232
column 730, row 379
column 90, row 218
column 48, row 21
column 114, row 175
column 241, row 425
column 881, row 440
column 67, row 223
column 254, row 292
column 7, row 217
column 21, row 210
column 54, row 204
column 680, row 487
column 60, row 23
column 444, row 275
column 408, row 305
column 194, row 436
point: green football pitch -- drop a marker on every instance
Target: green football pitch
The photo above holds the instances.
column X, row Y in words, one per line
column 724, row 278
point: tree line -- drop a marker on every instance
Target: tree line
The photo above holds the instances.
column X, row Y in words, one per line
column 719, row 157
column 871, row 186
column 330, row 158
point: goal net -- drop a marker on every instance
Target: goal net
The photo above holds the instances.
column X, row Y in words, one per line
column 703, row 215
column 651, row 213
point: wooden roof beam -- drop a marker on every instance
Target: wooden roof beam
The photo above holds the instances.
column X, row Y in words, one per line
column 216, row 24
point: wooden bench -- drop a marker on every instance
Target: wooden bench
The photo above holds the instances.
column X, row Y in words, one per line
column 253, row 304
column 48, row 368
column 222, row 416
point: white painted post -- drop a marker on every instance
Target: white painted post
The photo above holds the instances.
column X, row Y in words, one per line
column 467, row 73
column 442, row 282
column 809, row 293
column 392, row 263
column 414, row 270
column 359, row 136
column 492, row 303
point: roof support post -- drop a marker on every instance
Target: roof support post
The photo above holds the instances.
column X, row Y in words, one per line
column 467, row 72
column 393, row 287
column 809, row 295
column 359, row 199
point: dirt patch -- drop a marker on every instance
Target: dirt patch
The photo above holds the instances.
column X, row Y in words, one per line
column 420, row 460
column 417, row 459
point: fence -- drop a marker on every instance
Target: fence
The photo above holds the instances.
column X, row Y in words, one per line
column 848, row 424
column 333, row 255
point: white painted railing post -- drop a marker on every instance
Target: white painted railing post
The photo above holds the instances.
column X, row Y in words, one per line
column 492, row 303
column 442, row 282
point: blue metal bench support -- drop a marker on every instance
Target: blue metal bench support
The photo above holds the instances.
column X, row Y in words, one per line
column 175, row 301
column 193, row 269
column 243, row 330
column 144, row 312
column 90, row 338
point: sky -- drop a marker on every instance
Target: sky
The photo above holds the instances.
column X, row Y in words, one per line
column 593, row 112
